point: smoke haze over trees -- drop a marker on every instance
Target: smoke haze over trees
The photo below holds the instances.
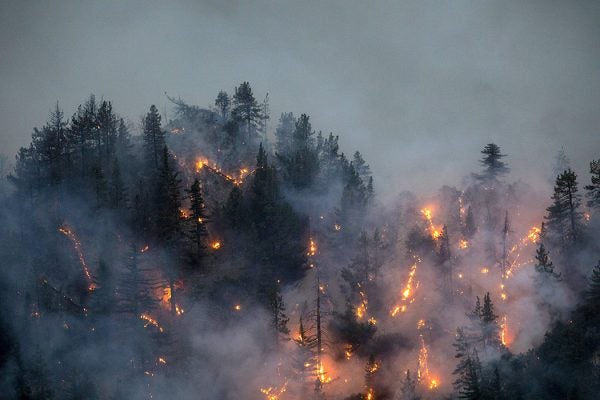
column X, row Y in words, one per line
column 244, row 249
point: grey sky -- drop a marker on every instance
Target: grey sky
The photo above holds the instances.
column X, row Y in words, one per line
column 419, row 87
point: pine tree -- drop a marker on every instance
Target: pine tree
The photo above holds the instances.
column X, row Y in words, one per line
column 593, row 190
column 117, row 193
column 123, row 145
column 301, row 164
column 564, row 217
column 107, row 133
column 80, row 136
column 154, row 138
column 168, row 203
column 223, row 105
column 284, row 134
column 544, row 265
column 490, row 331
column 198, row 218
column 271, row 296
column 100, row 187
column 561, row 163
column 469, row 382
column 444, row 261
column 470, row 227
column 52, row 148
column 246, row 109
column 408, row 388
column 592, row 294
column 234, row 210
column 362, row 168
column 494, row 167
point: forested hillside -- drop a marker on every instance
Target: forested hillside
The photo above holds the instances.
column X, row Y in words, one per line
column 226, row 253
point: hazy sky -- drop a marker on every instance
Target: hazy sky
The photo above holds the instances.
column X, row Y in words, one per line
column 418, row 86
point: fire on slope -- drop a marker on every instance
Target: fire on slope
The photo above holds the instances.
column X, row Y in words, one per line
column 407, row 292
column 236, row 179
column 68, row 232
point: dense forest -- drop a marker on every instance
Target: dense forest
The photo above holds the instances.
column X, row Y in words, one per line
column 223, row 253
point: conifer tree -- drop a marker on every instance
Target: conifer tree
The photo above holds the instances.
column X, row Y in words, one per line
column 284, row 133
column 198, row 218
column 408, row 388
column 470, row 227
column 593, row 190
column 444, row 261
column 117, row 192
column 271, row 294
column 564, row 217
column 494, row 167
column 362, row 168
column 107, row 133
column 123, row 145
column 592, row 294
column 154, row 139
column 543, row 265
column 223, row 105
column 490, row 331
column 246, row 109
column 168, row 203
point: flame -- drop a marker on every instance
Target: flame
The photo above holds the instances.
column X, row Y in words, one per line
column 586, row 217
column 144, row 249
column 337, row 227
column 150, row 321
column 423, row 374
column 434, row 231
column 237, row 307
column 179, row 310
column 504, row 333
column 322, row 374
column 274, row 393
column 161, row 360
column 534, row 234
column 372, row 321
column 407, row 292
column 77, row 246
column 216, row 245
column 484, row 270
column 361, row 310
column 463, row 244
column 421, row 324
column 183, row 213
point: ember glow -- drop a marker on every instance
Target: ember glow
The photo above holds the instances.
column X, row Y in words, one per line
column 77, row 246
column 149, row 320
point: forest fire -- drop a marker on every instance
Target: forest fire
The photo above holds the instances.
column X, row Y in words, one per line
column 423, row 374
column 150, row 321
column 77, row 246
column 407, row 292
column 274, row 393
column 434, row 231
